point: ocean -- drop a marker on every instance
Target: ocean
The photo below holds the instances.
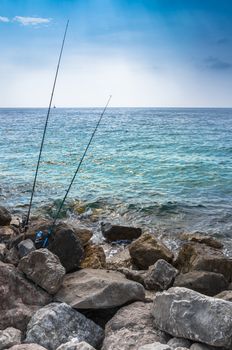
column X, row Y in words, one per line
column 165, row 170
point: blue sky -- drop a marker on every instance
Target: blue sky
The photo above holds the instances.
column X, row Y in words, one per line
column 144, row 53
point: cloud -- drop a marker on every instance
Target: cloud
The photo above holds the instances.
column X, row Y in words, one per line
column 216, row 64
column 31, row 21
column 4, row 19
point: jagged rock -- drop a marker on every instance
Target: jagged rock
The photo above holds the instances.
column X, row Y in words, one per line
column 12, row 256
column 9, row 337
column 132, row 327
column 199, row 346
column 146, row 250
column 3, row 251
column 98, row 289
column 202, row 238
column 184, row 313
column 94, row 257
column 179, row 343
column 134, row 275
column 208, row 283
column 5, row 216
column 83, row 234
column 200, row 257
column 19, row 298
column 25, row 247
column 225, row 295
column 56, row 324
column 155, row 346
column 160, row 276
column 118, row 233
column 7, row 233
column 27, row 347
column 67, row 246
column 43, row 268
column 119, row 260
column 74, row 344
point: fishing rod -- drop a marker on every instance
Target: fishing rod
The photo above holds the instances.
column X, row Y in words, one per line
column 25, row 223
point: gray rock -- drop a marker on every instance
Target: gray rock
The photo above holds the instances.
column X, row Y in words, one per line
column 225, row 295
column 184, row 313
column 98, row 289
column 5, row 216
column 3, row 251
column 160, row 276
column 25, row 247
column 132, row 327
column 44, row 268
column 12, row 256
column 179, row 343
column 208, row 283
column 19, row 298
column 117, row 233
column 134, row 275
column 27, row 347
column 155, row 346
column 74, row 344
column 200, row 346
column 56, row 324
column 9, row 337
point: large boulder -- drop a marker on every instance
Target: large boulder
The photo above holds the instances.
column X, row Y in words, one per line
column 98, row 289
column 119, row 260
column 202, row 238
column 119, row 233
column 7, row 233
column 9, row 337
column 75, row 344
column 146, row 250
column 160, row 276
column 5, row 216
column 19, row 298
column 94, row 257
column 201, row 257
column 208, row 283
column 56, row 324
column 184, row 313
column 83, row 234
column 27, row 347
column 44, row 269
column 132, row 327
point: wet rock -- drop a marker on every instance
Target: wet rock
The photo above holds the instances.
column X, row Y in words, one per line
column 155, row 346
column 3, row 251
column 5, row 216
column 19, row 298
column 202, row 238
column 208, row 283
column 200, row 257
column 43, row 268
column 179, row 343
column 74, row 344
column 94, row 257
column 146, row 250
column 119, row 260
column 160, row 276
column 184, row 313
column 132, row 327
column 9, row 337
column 94, row 289
column 225, row 295
column 25, row 247
column 56, row 323
column 7, row 233
column 12, row 256
column 27, row 347
column 67, row 246
column 118, row 233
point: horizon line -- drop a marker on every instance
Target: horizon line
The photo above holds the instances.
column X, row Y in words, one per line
column 92, row 107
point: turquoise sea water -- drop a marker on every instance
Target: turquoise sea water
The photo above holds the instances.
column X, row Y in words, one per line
column 166, row 169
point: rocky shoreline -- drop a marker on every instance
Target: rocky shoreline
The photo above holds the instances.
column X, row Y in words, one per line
column 72, row 296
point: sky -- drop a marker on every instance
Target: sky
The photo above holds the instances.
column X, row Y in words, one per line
column 145, row 53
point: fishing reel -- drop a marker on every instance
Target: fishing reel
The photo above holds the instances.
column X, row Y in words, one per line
column 41, row 239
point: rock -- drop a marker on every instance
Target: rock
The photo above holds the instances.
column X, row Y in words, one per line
column 15, row 221
column 225, row 295
column 119, row 260
column 118, row 233
column 132, row 327
column 67, row 246
column 44, row 269
column 19, row 298
column 56, row 324
column 146, row 250
column 9, row 337
column 3, row 251
column 208, row 283
column 7, row 234
column 199, row 346
column 100, row 316
column 94, row 257
column 5, row 216
column 179, row 343
column 83, row 234
column 184, row 313
column 160, row 276
column 74, row 344
column 155, row 346
column 25, row 247
column 27, row 347
column 98, row 289
column 202, row 238
column 200, row 257
column 134, row 275
column 12, row 256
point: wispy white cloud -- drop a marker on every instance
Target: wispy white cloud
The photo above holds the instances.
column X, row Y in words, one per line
column 4, row 19
column 31, row 21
